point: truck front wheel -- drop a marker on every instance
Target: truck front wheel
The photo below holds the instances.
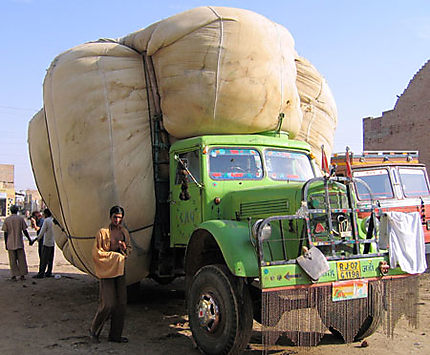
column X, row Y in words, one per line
column 220, row 311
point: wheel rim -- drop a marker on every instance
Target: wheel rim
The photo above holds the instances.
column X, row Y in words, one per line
column 208, row 313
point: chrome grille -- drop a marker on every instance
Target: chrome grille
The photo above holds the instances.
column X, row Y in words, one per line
column 259, row 208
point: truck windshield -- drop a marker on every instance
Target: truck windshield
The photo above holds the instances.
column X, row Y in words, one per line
column 235, row 164
column 284, row 165
column 414, row 182
column 378, row 181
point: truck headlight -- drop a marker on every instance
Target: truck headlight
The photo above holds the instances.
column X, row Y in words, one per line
column 266, row 232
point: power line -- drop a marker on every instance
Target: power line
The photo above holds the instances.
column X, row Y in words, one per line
column 18, row 108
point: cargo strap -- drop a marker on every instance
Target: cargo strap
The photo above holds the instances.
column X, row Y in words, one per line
column 65, row 231
column 160, row 157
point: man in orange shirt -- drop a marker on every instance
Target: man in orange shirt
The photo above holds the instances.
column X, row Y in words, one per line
column 110, row 251
column 13, row 227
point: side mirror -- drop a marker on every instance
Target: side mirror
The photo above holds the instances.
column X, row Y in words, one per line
column 333, row 169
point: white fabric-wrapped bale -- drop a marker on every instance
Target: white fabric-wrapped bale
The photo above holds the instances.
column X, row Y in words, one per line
column 41, row 162
column 218, row 70
column 319, row 109
column 97, row 119
column 222, row 70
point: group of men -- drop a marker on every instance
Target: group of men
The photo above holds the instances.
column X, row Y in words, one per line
column 14, row 227
column 111, row 248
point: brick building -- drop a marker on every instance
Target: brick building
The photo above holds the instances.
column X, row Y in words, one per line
column 407, row 126
column 33, row 201
column 26, row 200
column 7, row 188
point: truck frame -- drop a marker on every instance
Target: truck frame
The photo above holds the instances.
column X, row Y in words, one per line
column 235, row 213
column 399, row 182
column 242, row 211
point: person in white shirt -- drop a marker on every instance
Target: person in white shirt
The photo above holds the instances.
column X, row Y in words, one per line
column 47, row 259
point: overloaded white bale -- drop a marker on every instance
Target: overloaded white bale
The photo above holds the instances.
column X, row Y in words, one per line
column 97, row 119
column 222, row 70
column 318, row 107
column 41, row 162
column 218, row 70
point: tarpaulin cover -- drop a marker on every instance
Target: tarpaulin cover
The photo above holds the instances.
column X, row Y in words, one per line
column 222, row 70
column 92, row 150
column 218, row 71
column 318, row 107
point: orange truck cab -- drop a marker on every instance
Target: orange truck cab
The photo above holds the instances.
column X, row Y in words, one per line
column 397, row 180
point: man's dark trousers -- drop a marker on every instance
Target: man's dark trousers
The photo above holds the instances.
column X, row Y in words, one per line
column 46, row 261
column 113, row 302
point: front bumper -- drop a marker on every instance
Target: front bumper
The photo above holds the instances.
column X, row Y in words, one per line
column 292, row 275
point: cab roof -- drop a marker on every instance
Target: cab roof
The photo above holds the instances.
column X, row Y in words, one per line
column 276, row 140
column 373, row 159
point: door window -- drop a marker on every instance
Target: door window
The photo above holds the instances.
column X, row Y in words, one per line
column 192, row 163
column 378, row 181
column 284, row 165
column 414, row 182
column 235, row 164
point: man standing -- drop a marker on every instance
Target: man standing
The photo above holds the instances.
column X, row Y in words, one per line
column 46, row 234
column 110, row 251
column 13, row 227
column 37, row 223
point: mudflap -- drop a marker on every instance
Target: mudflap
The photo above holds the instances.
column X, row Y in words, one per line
column 304, row 314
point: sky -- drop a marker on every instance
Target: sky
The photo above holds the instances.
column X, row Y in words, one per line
column 367, row 50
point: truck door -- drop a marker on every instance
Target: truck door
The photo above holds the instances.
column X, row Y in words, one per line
column 185, row 199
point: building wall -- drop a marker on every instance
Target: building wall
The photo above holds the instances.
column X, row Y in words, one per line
column 407, row 126
column 7, row 188
column 33, row 201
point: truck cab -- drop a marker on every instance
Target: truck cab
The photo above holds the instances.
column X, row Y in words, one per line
column 397, row 180
column 232, row 178
column 260, row 234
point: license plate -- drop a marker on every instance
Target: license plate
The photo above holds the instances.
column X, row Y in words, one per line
column 347, row 270
column 349, row 290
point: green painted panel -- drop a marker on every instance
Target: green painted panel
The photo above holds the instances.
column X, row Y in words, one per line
column 292, row 275
column 234, row 241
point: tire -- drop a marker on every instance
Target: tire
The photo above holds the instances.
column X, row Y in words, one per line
column 272, row 319
column 339, row 316
column 372, row 322
column 163, row 280
column 369, row 327
column 366, row 325
column 220, row 311
column 133, row 293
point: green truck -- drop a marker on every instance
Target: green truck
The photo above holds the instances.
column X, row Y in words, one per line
column 260, row 234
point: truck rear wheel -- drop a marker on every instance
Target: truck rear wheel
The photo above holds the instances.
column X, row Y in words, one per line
column 356, row 319
column 163, row 280
column 133, row 292
column 339, row 328
column 373, row 320
column 369, row 327
column 219, row 310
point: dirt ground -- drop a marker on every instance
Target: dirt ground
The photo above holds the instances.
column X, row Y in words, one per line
column 51, row 316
